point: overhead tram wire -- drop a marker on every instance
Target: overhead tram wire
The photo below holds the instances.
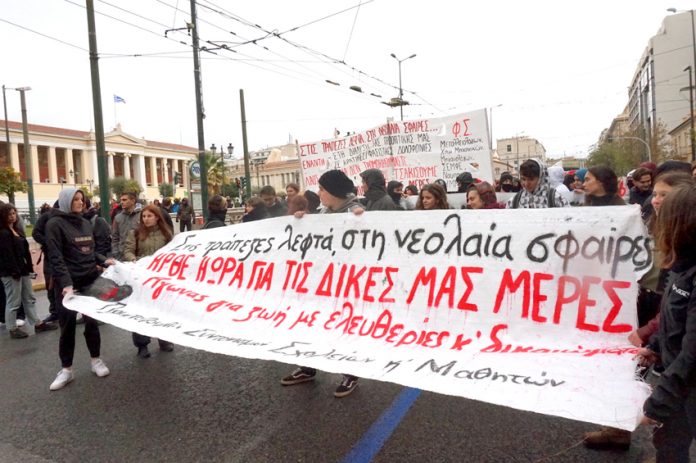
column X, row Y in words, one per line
column 44, row 35
column 248, row 41
column 321, row 78
column 309, row 50
column 134, row 14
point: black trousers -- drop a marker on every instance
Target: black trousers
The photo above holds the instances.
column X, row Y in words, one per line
column 140, row 340
column 67, row 320
column 184, row 224
column 673, row 439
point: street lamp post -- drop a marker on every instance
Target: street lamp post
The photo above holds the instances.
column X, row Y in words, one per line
column 27, row 154
column 647, row 146
column 691, row 113
column 7, row 129
column 693, row 67
column 230, row 150
column 401, row 90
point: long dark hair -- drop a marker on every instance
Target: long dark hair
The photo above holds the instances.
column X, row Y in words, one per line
column 5, row 211
column 437, row 191
column 610, row 184
column 676, row 225
column 673, row 178
column 142, row 231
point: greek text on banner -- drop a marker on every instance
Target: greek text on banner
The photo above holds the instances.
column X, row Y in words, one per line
column 524, row 308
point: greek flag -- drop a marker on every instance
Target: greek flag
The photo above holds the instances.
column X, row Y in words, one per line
column 118, row 99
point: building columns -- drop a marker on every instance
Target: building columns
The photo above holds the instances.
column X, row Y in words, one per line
column 126, row 165
column 110, row 156
column 14, row 156
column 52, row 165
column 165, row 170
column 140, row 170
column 35, row 164
column 153, row 171
column 69, row 166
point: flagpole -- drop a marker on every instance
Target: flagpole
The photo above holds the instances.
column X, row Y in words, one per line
column 113, row 102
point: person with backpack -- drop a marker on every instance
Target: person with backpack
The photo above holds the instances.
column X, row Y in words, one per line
column 536, row 193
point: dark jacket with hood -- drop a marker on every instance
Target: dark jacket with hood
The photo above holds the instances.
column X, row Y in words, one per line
column 16, row 258
column 101, row 231
column 677, row 342
column 376, row 197
column 215, row 219
column 39, row 235
column 70, row 244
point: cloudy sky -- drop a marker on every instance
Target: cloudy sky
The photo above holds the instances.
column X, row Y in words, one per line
column 556, row 71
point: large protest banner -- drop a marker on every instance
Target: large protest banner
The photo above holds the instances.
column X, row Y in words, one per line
column 525, row 308
column 413, row 152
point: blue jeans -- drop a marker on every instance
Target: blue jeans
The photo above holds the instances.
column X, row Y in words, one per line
column 18, row 293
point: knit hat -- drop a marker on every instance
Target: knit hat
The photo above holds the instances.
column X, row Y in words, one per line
column 336, row 183
column 580, row 173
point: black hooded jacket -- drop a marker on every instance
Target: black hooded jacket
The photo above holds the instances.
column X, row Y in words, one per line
column 101, row 232
column 677, row 342
column 71, row 249
column 376, row 197
column 16, row 258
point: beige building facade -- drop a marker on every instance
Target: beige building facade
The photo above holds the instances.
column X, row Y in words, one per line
column 62, row 157
column 516, row 150
column 275, row 166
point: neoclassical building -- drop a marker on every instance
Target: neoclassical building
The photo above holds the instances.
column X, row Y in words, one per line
column 62, row 157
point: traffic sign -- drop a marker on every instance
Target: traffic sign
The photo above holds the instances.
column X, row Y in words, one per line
column 196, row 169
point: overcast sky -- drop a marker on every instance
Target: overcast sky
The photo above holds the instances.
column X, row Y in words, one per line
column 554, row 70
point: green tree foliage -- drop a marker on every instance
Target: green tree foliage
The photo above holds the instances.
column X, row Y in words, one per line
column 624, row 153
column 216, row 172
column 166, row 190
column 230, row 189
column 120, row 185
column 10, row 183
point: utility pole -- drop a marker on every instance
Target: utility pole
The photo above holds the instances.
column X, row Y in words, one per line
column 98, row 117
column 7, row 128
column 401, row 90
column 691, row 114
column 247, row 173
column 27, row 156
column 199, row 113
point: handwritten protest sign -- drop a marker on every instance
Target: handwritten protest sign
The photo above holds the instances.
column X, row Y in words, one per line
column 525, row 308
column 413, row 152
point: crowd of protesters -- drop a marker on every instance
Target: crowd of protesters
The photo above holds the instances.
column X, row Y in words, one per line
column 78, row 244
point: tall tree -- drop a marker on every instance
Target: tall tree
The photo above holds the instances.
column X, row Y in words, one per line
column 10, row 183
column 216, row 172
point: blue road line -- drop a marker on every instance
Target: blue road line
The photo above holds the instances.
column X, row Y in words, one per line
column 373, row 440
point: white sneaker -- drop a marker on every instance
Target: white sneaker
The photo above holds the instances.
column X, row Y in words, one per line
column 20, row 323
column 99, row 368
column 62, row 380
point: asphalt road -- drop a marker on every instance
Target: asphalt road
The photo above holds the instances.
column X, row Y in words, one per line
column 190, row 406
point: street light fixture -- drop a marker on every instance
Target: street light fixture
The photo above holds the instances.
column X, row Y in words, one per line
column 692, row 69
column 401, row 102
column 230, row 151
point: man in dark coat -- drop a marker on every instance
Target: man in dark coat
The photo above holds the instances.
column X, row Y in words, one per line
column 376, row 197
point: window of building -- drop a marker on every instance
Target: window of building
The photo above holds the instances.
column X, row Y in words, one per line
column 509, row 148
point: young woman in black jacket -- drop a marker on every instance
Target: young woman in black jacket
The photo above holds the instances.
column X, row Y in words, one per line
column 672, row 404
column 71, row 250
column 16, row 269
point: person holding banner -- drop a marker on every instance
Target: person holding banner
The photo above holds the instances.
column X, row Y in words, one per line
column 482, row 196
column 152, row 234
column 70, row 245
column 672, row 404
column 431, row 197
column 336, row 195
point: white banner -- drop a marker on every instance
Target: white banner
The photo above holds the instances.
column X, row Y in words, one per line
column 414, row 152
column 525, row 308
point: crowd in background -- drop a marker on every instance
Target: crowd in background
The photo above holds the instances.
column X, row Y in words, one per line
column 77, row 244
